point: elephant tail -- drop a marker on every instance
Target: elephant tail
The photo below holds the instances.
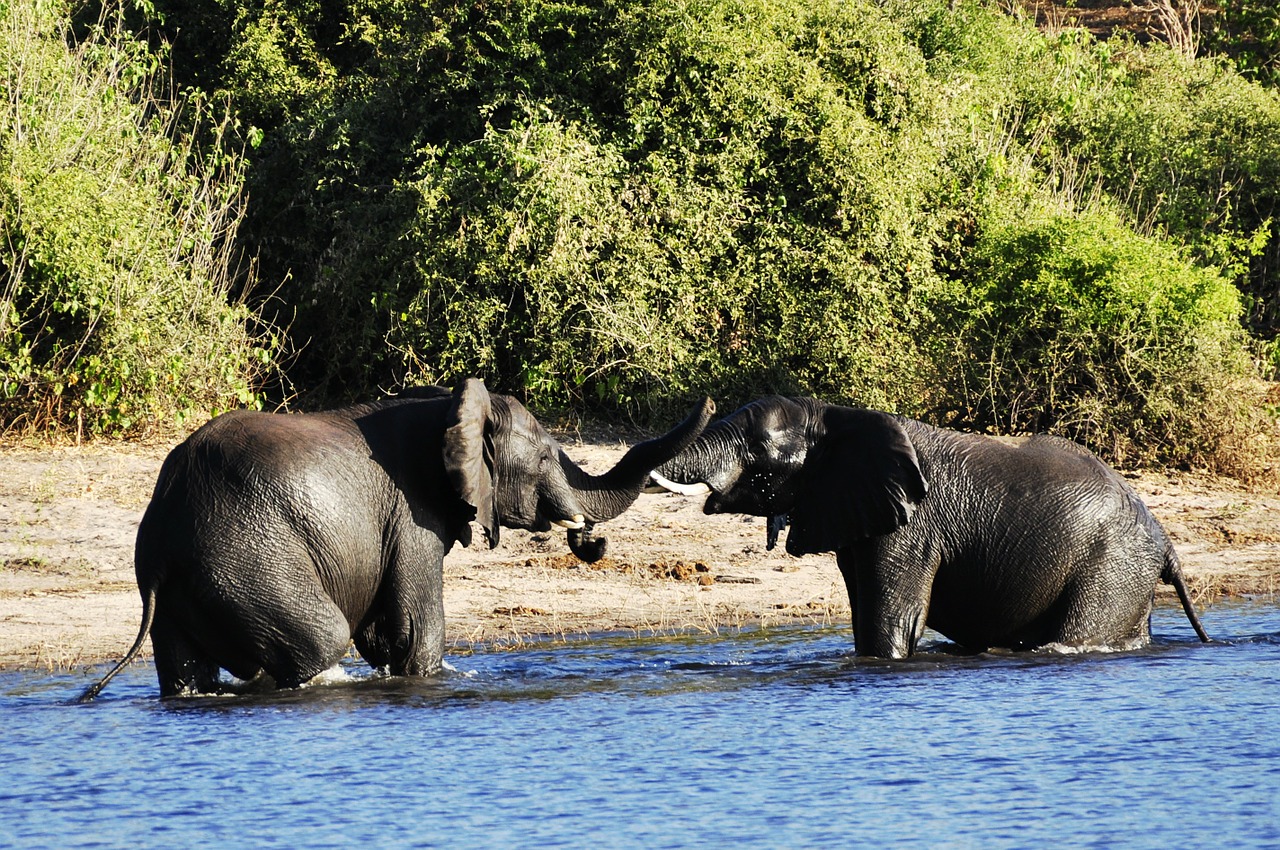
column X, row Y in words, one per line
column 1172, row 574
column 148, row 617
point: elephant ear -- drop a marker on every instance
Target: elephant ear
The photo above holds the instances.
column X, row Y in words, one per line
column 468, row 457
column 862, row 479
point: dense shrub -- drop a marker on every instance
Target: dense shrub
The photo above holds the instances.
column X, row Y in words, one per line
column 607, row 205
column 1248, row 31
column 1193, row 151
column 1075, row 325
column 753, row 225
column 116, row 237
column 616, row 205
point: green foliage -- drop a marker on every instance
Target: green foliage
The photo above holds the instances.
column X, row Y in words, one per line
column 618, row 205
column 1248, row 31
column 590, row 284
column 612, row 206
column 1194, row 152
column 1081, row 327
column 115, row 240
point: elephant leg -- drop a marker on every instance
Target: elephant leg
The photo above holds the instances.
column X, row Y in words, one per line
column 889, row 630
column 181, row 666
column 272, row 617
column 405, row 634
column 403, row 643
column 1098, row 610
column 304, row 643
column 889, row 613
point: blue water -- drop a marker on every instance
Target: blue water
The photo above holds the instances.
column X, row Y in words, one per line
column 763, row 739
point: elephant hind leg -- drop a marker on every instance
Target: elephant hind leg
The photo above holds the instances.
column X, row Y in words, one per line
column 252, row 628
column 181, row 666
column 1099, row 611
column 307, row 656
column 404, row 631
column 404, row 643
column 293, row 646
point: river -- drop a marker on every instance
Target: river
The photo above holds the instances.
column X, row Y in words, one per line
column 774, row 738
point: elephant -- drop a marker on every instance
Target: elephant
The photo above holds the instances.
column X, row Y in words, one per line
column 1012, row 543
column 273, row 541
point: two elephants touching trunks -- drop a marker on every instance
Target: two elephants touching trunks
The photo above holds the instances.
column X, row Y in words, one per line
column 274, row 541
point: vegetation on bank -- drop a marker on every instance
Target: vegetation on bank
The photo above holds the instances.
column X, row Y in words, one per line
column 920, row 205
column 117, row 239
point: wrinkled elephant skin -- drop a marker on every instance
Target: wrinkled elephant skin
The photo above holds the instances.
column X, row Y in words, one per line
column 273, row 541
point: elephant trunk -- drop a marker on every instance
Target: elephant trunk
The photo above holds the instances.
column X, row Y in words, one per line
column 704, row 462
column 607, row 495
column 586, row 546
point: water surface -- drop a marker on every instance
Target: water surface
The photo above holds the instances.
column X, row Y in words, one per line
column 762, row 739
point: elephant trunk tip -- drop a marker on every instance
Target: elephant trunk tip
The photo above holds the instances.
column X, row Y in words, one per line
column 702, row 415
column 586, row 546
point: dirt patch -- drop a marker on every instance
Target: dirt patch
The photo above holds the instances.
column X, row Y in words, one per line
column 674, row 570
column 68, row 517
column 1101, row 17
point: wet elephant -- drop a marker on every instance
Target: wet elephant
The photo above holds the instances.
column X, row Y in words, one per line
column 272, row 541
column 993, row 543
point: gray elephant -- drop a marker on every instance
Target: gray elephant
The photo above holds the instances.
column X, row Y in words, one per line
column 993, row 543
column 274, row 540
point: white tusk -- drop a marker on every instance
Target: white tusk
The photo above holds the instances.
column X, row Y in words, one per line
column 699, row 489
column 578, row 521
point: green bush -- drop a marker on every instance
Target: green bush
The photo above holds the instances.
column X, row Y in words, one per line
column 613, row 206
column 116, row 241
column 1075, row 325
column 618, row 205
column 1193, row 151
column 1248, row 31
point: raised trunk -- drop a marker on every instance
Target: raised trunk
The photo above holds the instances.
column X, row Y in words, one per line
column 605, row 496
column 705, row 461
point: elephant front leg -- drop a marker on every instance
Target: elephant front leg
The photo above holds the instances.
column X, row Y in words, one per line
column 401, row 649
column 404, row 635
column 889, row 614
column 404, row 642
column 888, row 630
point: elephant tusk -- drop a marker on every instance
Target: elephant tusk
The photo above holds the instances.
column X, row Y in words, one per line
column 699, row 489
column 578, row 522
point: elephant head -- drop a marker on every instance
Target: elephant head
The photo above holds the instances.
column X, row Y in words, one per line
column 838, row 474
column 509, row 471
